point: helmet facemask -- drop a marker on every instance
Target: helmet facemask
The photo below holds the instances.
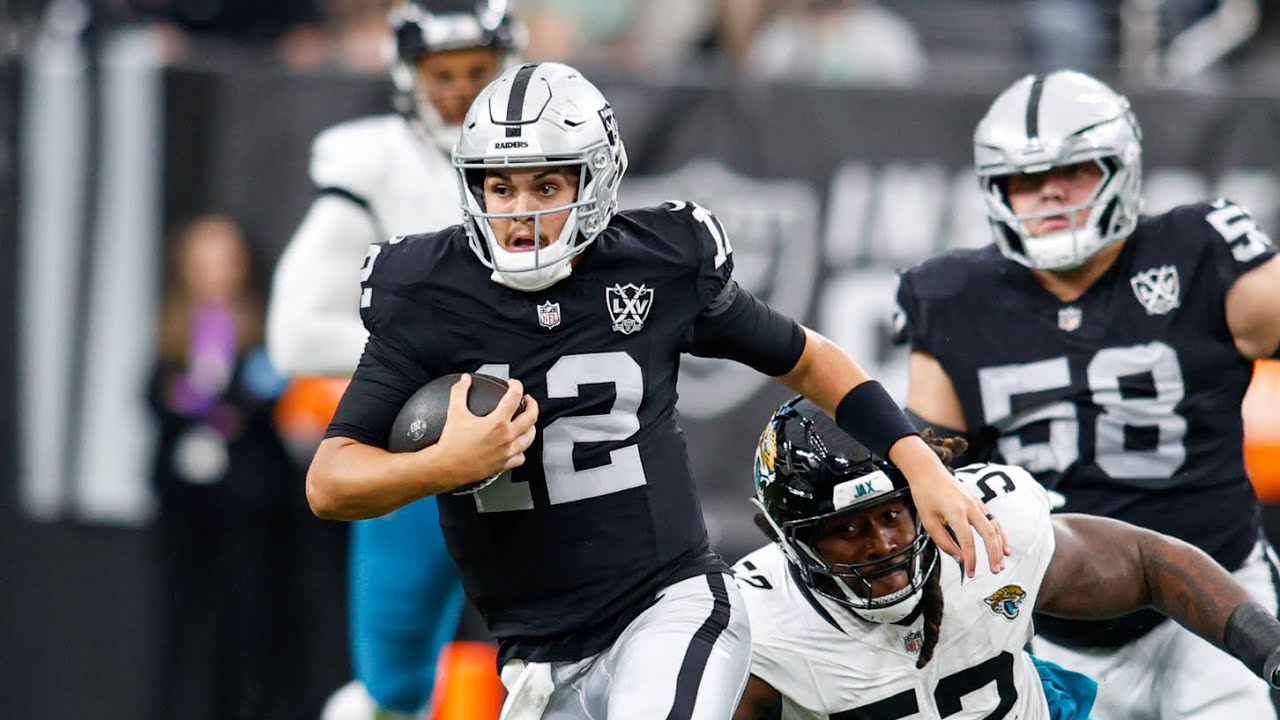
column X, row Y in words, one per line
column 1079, row 120
column 574, row 129
column 804, row 484
column 1069, row 247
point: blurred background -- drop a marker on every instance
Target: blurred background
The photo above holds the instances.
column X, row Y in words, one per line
column 154, row 152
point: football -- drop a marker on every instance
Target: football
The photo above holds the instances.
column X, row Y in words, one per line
column 421, row 421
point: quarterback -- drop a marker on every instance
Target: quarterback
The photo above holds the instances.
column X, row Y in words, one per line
column 854, row 616
column 376, row 177
column 587, row 555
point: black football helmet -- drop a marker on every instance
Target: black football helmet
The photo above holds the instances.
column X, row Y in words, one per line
column 807, row 470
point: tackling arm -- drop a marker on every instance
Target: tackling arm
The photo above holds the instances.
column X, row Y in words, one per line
column 313, row 320
column 1103, row 567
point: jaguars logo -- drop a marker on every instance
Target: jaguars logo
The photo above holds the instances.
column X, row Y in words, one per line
column 767, row 454
column 1006, row 601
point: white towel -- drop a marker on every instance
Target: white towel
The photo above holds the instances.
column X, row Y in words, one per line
column 529, row 687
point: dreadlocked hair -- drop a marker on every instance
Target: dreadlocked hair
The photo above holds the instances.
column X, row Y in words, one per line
column 947, row 449
column 931, row 609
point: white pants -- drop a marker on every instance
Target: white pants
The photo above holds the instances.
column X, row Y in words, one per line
column 1170, row 673
column 687, row 657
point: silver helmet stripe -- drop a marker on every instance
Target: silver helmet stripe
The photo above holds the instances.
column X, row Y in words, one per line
column 515, row 101
column 1033, row 109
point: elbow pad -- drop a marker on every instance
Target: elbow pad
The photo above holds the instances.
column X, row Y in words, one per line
column 738, row 326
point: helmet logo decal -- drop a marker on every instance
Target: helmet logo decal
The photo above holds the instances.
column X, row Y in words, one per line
column 769, row 448
column 610, row 125
column 1157, row 289
column 628, row 306
column 549, row 314
column 1006, row 601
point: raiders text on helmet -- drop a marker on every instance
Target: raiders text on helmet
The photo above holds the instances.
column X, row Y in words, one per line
column 808, row 470
column 1047, row 121
column 534, row 116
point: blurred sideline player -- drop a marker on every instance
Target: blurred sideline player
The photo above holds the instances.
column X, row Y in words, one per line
column 585, row 548
column 1135, row 340
column 853, row 616
column 377, row 177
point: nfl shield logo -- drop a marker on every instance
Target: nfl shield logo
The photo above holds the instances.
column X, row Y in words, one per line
column 1157, row 289
column 1069, row 318
column 628, row 306
column 912, row 641
column 549, row 314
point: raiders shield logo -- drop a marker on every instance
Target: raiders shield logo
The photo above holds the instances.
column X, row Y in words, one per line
column 610, row 125
column 628, row 307
column 1157, row 289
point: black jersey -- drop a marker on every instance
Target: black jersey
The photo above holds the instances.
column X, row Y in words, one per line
column 559, row 554
column 1127, row 400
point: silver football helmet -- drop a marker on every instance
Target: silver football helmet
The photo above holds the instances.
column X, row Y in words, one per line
column 1046, row 121
column 532, row 116
column 421, row 27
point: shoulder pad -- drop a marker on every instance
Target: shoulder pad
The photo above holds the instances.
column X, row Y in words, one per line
column 1234, row 225
column 1014, row 497
column 352, row 156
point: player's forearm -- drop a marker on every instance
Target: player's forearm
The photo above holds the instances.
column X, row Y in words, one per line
column 1186, row 585
column 824, row 373
column 351, row 481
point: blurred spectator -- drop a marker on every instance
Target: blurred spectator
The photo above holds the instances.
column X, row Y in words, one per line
column 846, row 41
column 574, row 30
column 1076, row 34
column 225, row 487
column 357, row 34
column 247, row 21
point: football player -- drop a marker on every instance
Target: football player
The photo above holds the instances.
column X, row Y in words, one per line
column 587, row 555
column 378, row 176
column 853, row 615
column 1107, row 352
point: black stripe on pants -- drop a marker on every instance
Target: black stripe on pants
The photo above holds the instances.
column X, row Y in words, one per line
column 695, row 658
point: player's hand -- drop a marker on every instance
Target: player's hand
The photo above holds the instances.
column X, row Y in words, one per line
column 946, row 510
column 481, row 447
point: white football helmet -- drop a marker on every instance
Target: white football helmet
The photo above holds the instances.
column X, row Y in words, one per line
column 421, row 27
column 1046, row 121
column 540, row 115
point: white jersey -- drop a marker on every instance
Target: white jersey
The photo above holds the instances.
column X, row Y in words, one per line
column 376, row 178
column 828, row 663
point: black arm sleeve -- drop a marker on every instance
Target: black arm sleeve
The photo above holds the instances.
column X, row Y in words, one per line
column 382, row 383
column 738, row 326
